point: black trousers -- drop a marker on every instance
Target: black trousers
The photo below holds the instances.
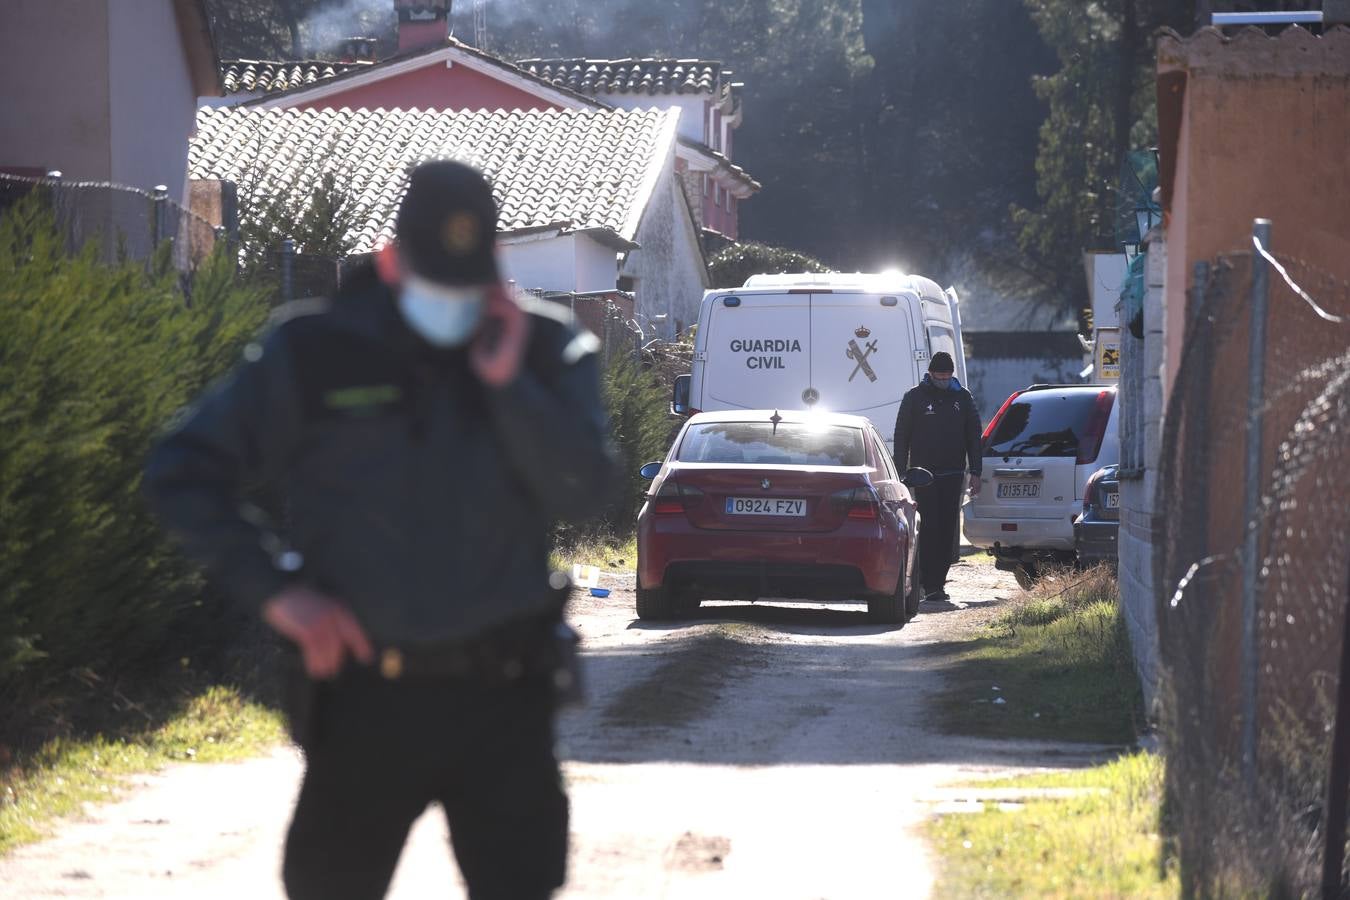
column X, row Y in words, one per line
column 940, row 512
column 380, row 751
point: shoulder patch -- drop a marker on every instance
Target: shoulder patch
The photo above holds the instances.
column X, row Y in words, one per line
column 583, row 344
column 299, row 309
column 546, row 309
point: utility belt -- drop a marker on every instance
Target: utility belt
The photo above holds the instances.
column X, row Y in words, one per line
column 537, row 649
column 504, row 654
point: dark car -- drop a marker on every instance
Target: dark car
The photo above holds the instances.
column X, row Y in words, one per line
column 798, row 505
column 1097, row 527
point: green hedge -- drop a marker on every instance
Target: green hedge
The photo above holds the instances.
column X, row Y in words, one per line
column 640, row 424
column 94, row 358
column 731, row 265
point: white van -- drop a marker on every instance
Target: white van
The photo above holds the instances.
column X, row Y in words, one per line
column 843, row 343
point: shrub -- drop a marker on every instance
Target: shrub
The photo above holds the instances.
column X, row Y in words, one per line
column 95, row 359
column 639, row 417
column 730, row 266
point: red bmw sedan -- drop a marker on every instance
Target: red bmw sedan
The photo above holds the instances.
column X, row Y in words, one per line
column 762, row 503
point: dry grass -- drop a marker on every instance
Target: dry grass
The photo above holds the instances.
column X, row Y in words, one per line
column 214, row 725
column 611, row 554
column 1056, row 664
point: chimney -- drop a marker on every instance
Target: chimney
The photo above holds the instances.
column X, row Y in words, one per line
column 358, row 49
column 422, row 23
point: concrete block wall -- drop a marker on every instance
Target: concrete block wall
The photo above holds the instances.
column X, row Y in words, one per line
column 1139, row 526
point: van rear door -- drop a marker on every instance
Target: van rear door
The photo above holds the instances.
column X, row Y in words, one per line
column 756, row 354
column 862, row 354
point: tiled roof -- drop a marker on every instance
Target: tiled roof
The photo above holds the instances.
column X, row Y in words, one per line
column 270, row 76
column 574, row 169
column 356, row 73
column 629, row 76
column 1252, row 51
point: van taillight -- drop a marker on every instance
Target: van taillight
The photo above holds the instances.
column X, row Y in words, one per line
column 993, row 423
column 857, row 503
column 1091, row 443
column 674, row 498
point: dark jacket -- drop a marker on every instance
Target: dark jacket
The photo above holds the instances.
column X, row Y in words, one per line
column 412, row 492
column 938, row 429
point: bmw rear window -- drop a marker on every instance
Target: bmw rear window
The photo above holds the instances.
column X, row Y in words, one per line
column 790, row 444
column 1042, row 423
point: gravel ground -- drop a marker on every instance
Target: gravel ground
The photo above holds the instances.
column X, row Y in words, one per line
column 767, row 750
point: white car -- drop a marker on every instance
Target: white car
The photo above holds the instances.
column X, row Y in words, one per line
column 1040, row 448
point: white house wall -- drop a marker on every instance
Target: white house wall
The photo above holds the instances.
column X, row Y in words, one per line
column 565, row 262
column 669, row 268
column 152, row 99
column 597, row 265
column 547, row 264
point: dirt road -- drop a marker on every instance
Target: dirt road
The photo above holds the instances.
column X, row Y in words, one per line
column 768, row 751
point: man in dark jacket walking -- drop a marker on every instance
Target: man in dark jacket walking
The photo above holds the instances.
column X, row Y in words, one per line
column 938, row 428
column 422, row 430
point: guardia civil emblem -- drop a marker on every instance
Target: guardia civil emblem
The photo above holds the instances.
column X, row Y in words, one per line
column 859, row 354
column 459, row 234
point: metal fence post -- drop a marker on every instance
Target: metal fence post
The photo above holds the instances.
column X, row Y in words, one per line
column 287, row 267
column 1338, row 781
column 159, row 225
column 229, row 210
column 1256, row 377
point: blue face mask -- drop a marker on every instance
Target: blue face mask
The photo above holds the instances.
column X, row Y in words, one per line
column 443, row 316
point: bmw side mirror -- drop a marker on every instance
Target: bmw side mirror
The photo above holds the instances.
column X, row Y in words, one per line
column 650, row 470
column 917, row 477
column 679, row 396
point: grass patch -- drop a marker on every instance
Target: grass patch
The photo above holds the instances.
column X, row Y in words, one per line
column 214, row 725
column 611, row 554
column 1056, row 665
column 1094, row 845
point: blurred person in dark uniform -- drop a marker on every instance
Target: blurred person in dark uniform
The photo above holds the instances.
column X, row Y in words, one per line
column 938, row 428
column 424, row 430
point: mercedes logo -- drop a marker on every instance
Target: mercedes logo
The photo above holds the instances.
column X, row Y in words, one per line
column 810, row 396
column 764, row 484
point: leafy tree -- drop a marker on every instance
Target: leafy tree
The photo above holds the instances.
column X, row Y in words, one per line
column 320, row 222
column 297, row 29
column 732, row 265
column 95, row 359
column 1101, row 104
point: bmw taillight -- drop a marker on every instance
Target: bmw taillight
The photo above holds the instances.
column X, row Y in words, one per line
column 993, row 423
column 1090, row 444
column 856, row 503
column 674, row 498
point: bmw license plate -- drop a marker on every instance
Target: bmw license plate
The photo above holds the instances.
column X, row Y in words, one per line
column 1019, row 490
column 1113, row 500
column 763, row 506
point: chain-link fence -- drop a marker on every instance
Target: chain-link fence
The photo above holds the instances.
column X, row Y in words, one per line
column 120, row 222
column 292, row 275
column 1252, row 640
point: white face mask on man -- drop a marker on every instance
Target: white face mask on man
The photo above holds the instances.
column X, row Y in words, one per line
column 442, row 315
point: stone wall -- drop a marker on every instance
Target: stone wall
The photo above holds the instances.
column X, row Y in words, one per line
column 1141, row 382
